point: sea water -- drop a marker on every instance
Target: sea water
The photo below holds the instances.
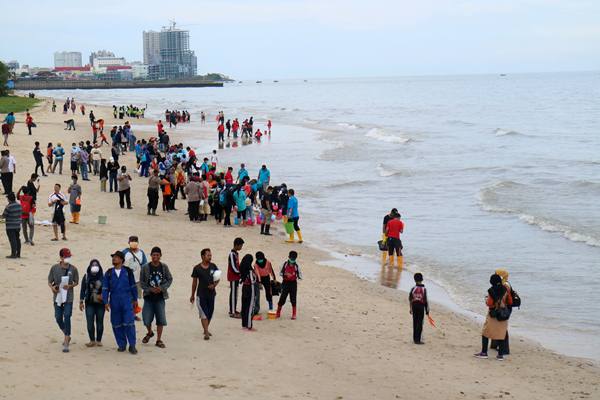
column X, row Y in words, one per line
column 487, row 171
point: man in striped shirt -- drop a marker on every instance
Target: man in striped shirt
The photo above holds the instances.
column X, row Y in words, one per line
column 12, row 215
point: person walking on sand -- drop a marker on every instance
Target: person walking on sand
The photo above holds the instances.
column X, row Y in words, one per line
column 205, row 278
column 156, row 280
column 134, row 259
column 49, row 156
column 62, row 278
column 290, row 272
column 90, row 299
column 10, row 120
column 5, row 133
column 264, row 270
column 29, row 123
column 5, row 174
column 74, row 192
column 393, row 229
column 153, row 190
column 267, row 210
column 498, row 301
column 248, row 278
column 103, row 175
column 119, row 294
column 57, row 201
column 293, row 216
column 27, row 213
column 124, row 180
column 233, row 276
column 12, row 217
column 193, row 191
column 59, row 154
column 113, row 170
column 38, row 156
column 419, row 306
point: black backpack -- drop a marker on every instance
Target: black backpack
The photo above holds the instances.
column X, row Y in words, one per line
column 516, row 299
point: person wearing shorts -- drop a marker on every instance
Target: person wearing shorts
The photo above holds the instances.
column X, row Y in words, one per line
column 155, row 278
column 203, row 289
column 393, row 230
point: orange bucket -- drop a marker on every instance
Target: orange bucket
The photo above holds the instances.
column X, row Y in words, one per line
column 272, row 315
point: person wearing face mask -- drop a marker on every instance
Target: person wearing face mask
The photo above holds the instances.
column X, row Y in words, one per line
column 290, row 272
column 62, row 278
column 265, row 272
column 134, row 259
column 90, row 298
column 119, row 294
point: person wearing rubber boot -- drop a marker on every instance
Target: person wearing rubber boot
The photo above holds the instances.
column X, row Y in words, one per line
column 119, row 293
column 290, row 272
column 393, row 230
column 294, row 216
column 386, row 219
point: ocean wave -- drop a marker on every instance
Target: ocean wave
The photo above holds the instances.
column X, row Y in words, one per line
column 378, row 134
column 339, row 185
column 346, row 125
column 509, row 197
column 385, row 171
column 507, row 132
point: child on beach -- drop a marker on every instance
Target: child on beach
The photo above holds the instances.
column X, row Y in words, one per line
column 290, row 272
column 419, row 306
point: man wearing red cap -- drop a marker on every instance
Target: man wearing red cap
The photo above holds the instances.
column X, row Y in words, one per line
column 62, row 278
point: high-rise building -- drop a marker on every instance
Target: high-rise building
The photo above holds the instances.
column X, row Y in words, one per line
column 176, row 58
column 100, row 53
column 151, row 47
column 67, row 59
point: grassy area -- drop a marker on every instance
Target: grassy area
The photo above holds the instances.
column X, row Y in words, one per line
column 16, row 104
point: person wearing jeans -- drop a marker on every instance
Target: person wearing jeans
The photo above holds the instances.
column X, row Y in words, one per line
column 90, row 298
column 62, row 278
column 12, row 215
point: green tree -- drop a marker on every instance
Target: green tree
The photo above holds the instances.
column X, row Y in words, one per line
column 4, row 76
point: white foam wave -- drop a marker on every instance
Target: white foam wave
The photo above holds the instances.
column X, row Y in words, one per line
column 348, row 126
column 386, row 171
column 383, row 136
column 507, row 132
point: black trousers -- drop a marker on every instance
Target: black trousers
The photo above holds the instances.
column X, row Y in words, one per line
column 193, row 210
column 125, row 195
column 227, row 221
column 495, row 345
column 233, row 295
column 7, row 181
column 152, row 199
column 39, row 164
column 247, row 305
column 485, row 343
column 266, row 282
column 291, row 288
column 418, row 313
column 15, row 241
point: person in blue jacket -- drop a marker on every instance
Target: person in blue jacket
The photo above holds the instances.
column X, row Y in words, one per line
column 264, row 178
column 293, row 216
column 242, row 173
column 239, row 197
column 119, row 293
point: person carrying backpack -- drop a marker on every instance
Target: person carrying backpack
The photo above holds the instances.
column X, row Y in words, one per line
column 419, row 306
column 499, row 302
column 290, row 272
column 516, row 302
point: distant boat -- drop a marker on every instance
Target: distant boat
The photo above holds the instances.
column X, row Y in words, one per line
column 502, row 74
column 241, row 82
column 258, row 81
column 305, row 80
column 276, row 81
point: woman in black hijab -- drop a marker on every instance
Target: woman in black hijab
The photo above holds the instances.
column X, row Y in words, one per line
column 248, row 279
column 90, row 297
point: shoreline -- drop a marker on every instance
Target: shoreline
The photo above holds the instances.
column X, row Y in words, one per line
column 352, row 338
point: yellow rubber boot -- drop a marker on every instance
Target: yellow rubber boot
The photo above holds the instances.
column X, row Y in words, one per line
column 73, row 218
column 77, row 217
column 291, row 239
column 299, row 236
column 399, row 262
column 392, row 260
column 383, row 257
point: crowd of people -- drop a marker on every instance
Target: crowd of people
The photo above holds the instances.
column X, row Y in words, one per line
column 131, row 111
column 174, row 117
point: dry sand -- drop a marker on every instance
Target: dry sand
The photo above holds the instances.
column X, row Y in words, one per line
column 352, row 339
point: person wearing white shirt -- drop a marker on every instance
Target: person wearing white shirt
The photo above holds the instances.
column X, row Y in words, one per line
column 134, row 259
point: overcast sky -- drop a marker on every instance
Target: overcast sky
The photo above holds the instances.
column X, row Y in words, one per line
column 320, row 38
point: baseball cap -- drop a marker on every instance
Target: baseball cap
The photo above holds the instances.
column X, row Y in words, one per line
column 118, row 253
column 64, row 253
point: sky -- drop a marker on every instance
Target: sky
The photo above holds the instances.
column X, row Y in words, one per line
column 271, row 39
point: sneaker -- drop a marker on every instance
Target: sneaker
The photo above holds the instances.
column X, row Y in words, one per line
column 65, row 348
column 132, row 350
column 480, row 355
column 500, row 357
column 121, row 349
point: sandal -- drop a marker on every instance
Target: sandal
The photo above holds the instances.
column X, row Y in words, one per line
column 206, row 337
column 159, row 343
column 146, row 338
column 54, row 240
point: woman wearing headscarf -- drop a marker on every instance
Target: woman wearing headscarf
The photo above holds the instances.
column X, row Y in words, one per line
column 264, row 271
column 495, row 327
column 248, row 279
column 90, row 297
column 494, row 345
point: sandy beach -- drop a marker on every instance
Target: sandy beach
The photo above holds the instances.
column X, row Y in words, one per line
column 352, row 339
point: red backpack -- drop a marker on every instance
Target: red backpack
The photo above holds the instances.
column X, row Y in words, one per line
column 289, row 272
column 418, row 294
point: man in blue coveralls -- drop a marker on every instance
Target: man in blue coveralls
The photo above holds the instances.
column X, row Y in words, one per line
column 119, row 293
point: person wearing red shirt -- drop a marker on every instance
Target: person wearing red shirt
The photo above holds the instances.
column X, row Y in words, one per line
column 29, row 122
column 159, row 126
column 229, row 176
column 221, row 130
column 393, row 230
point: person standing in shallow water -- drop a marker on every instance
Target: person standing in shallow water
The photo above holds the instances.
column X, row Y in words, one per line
column 119, row 293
